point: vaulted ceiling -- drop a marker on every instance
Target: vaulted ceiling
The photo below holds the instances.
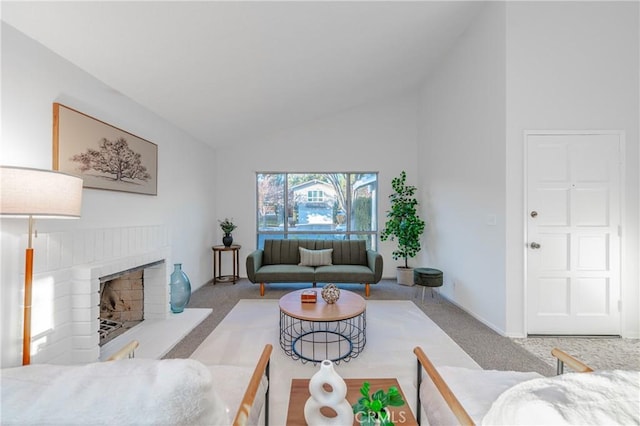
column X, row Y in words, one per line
column 227, row 71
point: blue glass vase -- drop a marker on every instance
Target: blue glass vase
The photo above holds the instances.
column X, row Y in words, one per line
column 180, row 289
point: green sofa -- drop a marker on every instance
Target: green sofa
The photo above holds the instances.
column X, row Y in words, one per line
column 279, row 262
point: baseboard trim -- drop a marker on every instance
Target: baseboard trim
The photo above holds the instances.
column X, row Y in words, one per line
column 477, row 317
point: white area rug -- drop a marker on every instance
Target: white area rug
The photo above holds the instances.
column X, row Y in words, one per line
column 394, row 328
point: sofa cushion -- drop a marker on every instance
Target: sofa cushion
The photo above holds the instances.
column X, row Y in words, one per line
column 315, row 257
column 284, row 252
column 344, row 274
column 285, row 274
column 347, row 252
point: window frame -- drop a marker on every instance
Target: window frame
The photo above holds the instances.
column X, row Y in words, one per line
column 371, row 236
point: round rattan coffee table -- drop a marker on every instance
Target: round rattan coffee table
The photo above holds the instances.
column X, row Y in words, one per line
column 318, row 331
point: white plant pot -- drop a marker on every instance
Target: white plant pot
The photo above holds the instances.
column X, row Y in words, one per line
column 405, row 276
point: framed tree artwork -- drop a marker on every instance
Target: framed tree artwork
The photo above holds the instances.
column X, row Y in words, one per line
column 104, row 156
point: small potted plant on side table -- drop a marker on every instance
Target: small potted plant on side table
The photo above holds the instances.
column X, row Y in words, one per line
column 227, row 227
column 371, row 409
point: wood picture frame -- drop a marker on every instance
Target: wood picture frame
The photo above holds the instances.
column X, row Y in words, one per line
column 104, row 156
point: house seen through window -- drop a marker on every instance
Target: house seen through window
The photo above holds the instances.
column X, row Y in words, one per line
column 339, row 206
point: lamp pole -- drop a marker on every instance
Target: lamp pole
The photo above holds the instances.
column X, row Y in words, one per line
column 28, row 283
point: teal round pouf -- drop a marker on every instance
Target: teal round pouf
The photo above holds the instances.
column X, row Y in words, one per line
column 428, row 277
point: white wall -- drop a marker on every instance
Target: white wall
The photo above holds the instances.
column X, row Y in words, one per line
column 33, row 78
column 462, row 168
column 521, row 66
column 571, row 66
column 377, row 137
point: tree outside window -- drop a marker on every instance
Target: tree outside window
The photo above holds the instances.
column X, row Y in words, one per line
column 317, row 206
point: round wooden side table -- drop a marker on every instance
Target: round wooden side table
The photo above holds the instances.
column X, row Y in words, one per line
column 217, row 267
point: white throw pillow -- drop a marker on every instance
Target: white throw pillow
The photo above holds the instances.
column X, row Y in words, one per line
column 599, row 398
column 315, row 257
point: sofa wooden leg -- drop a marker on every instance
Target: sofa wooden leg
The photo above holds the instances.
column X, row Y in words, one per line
column 366, row 290
column 261, row 289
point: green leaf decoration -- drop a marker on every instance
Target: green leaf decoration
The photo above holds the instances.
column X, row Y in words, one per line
column 364, row 390
column 371, row 407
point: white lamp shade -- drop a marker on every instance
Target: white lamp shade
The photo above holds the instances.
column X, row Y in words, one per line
column 39, row 193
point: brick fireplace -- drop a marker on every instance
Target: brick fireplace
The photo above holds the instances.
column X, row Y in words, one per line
column 86, row 288
column 68, row 271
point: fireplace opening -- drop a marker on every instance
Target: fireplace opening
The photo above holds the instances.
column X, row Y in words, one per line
column 121, row 303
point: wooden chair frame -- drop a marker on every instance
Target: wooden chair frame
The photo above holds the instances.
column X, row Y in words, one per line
column 261, row 369
column 127, row 351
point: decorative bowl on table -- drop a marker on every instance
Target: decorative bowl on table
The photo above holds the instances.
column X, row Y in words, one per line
column 330, row 293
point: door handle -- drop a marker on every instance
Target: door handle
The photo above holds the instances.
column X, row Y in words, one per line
column 535, row 245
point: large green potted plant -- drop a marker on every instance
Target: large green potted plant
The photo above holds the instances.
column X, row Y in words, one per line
column 403, row 226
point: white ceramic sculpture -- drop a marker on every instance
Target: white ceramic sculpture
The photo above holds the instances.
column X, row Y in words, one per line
column 334, row 399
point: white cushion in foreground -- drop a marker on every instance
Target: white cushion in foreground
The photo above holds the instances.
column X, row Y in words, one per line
column 598, row 398
column 475, row 389
column 125, row 392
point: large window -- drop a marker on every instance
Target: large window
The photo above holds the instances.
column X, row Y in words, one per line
column 317, row 206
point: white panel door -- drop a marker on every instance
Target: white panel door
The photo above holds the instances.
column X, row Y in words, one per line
column 573, row 241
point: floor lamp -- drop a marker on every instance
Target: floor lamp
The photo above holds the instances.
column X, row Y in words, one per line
column 35, row 193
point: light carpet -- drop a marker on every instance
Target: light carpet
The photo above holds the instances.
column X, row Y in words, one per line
column 599, row 353
column 394, row 328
